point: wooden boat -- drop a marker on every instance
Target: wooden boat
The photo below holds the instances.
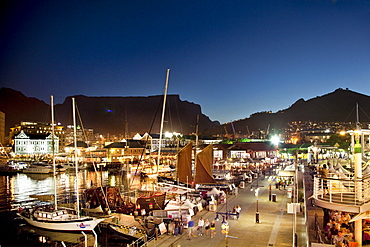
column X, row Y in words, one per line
column 129, row 233
column 109, row 199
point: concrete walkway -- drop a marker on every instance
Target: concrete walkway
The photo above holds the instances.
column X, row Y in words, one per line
column 275, row 227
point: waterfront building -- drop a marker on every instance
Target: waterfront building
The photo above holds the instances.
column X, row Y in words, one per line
column 245, row 150
column 345, row 190
column 35, row 144
column 37, row 129
column 126, row 149
column 85, row 135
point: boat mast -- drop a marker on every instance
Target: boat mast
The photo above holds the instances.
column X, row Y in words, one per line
column 162, row 120
column 357, row 118
column 75, row 155
column 53, row 150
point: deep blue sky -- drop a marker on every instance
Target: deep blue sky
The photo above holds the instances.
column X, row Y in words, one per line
column 233, row 58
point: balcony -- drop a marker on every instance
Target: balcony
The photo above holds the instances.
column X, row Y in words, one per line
column 349, row 194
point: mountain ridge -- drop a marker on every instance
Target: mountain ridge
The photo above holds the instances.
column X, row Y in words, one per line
column 113, row 115
column 336, row 106
column 140, row 114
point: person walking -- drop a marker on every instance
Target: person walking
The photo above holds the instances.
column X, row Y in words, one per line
column 207, row 226
column 213, row 229
column 200, row 226
column 324, row 176
column 190, row 229
column 238, row 210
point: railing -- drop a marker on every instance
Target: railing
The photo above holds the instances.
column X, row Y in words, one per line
column 139, row 242
column 347, row 191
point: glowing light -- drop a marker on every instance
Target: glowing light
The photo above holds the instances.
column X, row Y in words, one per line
column 275, row 140
column 171, row 134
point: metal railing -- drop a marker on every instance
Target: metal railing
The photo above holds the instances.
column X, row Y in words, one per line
column 143, row 241
column 347, row 191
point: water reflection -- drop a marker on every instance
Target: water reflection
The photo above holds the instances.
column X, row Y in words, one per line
column 19, row 188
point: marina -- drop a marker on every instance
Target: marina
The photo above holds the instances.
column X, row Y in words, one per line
column 23, row 189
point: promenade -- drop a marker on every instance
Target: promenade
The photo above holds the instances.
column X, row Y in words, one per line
column 275, row 227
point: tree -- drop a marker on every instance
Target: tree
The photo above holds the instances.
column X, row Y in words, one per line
column 340, row 141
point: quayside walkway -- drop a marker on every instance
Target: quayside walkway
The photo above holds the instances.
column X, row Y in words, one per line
column 275, row 227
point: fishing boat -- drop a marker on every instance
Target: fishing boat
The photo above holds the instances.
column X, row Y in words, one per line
column 50, row 216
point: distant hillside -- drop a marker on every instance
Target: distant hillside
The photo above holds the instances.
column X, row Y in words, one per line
column 338, row 106
column 116, row 115
column 113, row 115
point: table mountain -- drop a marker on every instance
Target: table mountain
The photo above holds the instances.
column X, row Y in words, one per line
column 113, row 115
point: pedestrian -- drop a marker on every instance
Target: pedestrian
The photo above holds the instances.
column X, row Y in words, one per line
column 213, row 229
column 171, row 228
column 190, row 229
column 324, row 176
column 200, row 226
column 238, row 210
column 177, row 227
column 206, row 226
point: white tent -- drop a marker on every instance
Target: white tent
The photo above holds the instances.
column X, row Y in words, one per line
column 214, row 192
column 341, row 169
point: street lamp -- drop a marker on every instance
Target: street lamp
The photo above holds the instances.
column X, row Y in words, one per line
column 224, row 215
column 257, row 187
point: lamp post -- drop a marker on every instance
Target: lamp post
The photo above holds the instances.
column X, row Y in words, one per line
column 269, row 190
column 225, row 216
column 256, row 190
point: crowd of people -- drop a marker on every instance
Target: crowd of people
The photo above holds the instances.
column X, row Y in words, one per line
column 339, row 229
column 203, row 227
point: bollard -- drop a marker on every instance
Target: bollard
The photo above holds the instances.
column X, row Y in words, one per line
column 257, row 217
column 274, row 197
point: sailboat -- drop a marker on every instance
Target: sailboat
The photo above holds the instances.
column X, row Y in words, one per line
column 204, row 178
column 184, row 177
column 52, row 217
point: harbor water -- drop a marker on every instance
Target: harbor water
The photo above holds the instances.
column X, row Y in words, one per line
column 25, row 189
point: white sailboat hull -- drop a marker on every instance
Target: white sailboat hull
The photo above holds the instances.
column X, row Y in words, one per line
column 83, row 224
column 38, row 170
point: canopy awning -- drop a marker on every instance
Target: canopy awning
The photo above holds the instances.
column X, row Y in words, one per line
column 288, row 173
column 361, row 216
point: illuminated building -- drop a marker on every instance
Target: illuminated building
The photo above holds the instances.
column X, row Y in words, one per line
column 85, row 135
column 25, row 145
column 37, row 129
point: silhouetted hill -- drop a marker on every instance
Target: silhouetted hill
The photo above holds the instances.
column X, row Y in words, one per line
column 337, row 106
column 113, row 115
column 142, row 114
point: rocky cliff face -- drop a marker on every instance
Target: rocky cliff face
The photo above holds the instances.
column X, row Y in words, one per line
column 113, row 115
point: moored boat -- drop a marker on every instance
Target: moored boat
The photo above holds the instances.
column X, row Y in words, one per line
column 52, row 217
column 130, row 233
column 62, row 219
column 39, row 167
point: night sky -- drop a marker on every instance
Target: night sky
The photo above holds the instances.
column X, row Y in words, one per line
column 234, row 58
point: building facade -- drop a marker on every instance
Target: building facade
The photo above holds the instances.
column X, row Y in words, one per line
column 25, row 145
column 37, row 129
